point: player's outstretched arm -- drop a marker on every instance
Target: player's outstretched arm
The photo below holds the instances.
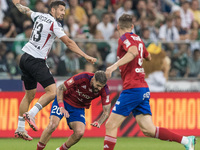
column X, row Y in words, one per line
column 60, row 91
column 72, row 46
column 104, row 116
column 129, row 56
column 23, row 9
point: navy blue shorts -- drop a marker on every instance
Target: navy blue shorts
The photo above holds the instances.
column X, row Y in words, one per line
column 134, row 100
column 76, row 114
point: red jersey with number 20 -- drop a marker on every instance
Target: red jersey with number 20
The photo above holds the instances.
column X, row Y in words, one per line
column 132, row 73
column 79, row 91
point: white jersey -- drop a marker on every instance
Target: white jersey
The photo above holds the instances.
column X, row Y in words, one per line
column 44, row 32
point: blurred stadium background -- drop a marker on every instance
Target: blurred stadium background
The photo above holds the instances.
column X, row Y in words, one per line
column 170, row 30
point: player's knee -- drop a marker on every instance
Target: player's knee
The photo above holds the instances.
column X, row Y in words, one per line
column 52, row 94
column 78, row 134
column 147, row 132
column 52, row 126
column 30, row 96
column 110, row 125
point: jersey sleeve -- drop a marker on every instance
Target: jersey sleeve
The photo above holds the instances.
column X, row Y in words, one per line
column 105, row 96
column 70, row 83
column 34, row 15
column 128, row 42
column 58, row 29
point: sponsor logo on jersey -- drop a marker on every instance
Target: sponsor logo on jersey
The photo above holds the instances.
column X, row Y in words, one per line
column 139, row 70
column 82, row 94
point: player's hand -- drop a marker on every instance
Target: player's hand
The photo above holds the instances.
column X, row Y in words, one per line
column 16, row 1
column 90, row 59
column 95, row 124
column 109, row 71
column 64, row 112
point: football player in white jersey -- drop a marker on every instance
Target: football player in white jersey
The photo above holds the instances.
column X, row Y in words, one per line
column 46, row 29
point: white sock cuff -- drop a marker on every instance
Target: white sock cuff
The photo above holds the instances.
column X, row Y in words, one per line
column 110, row 139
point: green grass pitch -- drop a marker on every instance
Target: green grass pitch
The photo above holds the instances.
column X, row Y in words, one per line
column 95, row 144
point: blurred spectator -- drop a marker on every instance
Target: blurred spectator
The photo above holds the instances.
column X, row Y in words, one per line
column 194, row 64
column 126, row 8
column 99, row 10
column 194, row 44
column 153, row 29
column 77, row 11
column 71, row 27
column 176, row 11
column 186, row 15
column 17, row 17
column 13, row 69
column 157, row 70
column 168, row 32
column 141, row 11
column 87, row 5
column 195, row 10
column 3, row 9
column 89, row 68
column 7, row 28
column 103, row 47
column 195, row 26
column 112, row 56
column 106, row 27
column 116, row 4
column 183, row 34
column 3, row 67
column 68, row 64
column 180, row 62
column 22, row 38
column 91, row 49
column 93, row 21
column 40, row 7
column 152, row 12
column 146, row 37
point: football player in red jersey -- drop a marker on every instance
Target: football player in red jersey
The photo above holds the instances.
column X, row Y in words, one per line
column 135, row 95
column 73, row 96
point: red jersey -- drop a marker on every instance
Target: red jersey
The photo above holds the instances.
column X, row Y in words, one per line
column 132, row 73
column 79, row 91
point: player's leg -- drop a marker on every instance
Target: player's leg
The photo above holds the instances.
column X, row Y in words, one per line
column 30, row 91
column 55, row 118
column 45, row 78
column 76, row 122
column 149, row 129
column 46, row 134
column 79, row 129
column 112, row 124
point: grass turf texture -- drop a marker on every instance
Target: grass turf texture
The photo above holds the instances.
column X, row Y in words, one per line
column 95, row 144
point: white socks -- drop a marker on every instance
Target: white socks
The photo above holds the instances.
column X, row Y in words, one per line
column 21, row 124
column 35, row 109
column 184, row 140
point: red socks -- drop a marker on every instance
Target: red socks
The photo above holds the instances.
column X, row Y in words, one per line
column 40, row 146
column 109, row 142
column 165, row 134
column 64, row 147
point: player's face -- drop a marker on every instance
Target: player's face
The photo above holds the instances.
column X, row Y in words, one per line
column 60, row 12
column 96, row 86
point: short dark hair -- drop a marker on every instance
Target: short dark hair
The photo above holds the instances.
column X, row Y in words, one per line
column 100, row 76
column 125, row 21
column 55, row 4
